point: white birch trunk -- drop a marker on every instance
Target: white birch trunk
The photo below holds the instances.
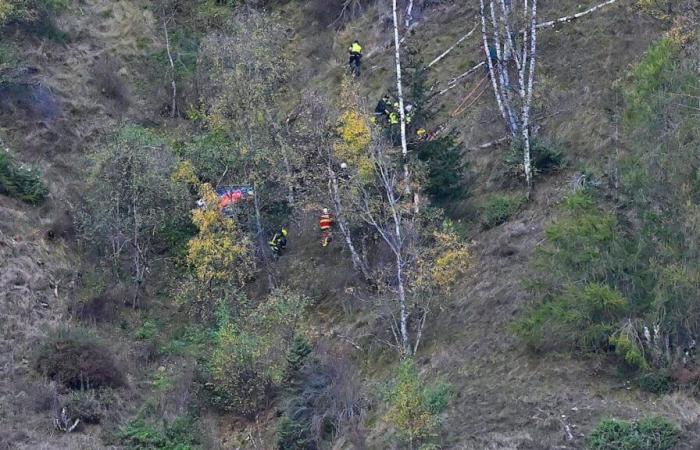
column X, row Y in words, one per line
column 409, row 14
column 527, row 101
column 492, row 69
column 399, row 91
column 173, row 108
column 334, row 192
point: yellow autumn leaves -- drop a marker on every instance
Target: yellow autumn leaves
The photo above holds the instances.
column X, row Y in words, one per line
column 220, row 252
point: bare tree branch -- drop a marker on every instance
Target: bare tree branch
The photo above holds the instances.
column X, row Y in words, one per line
column 564, row 19
column 446, row 52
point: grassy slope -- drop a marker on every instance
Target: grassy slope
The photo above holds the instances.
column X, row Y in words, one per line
column 506, row 398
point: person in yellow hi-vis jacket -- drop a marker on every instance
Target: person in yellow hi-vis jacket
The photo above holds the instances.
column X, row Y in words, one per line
column 355, row 51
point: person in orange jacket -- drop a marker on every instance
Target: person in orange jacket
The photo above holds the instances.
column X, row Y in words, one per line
column 326, row 225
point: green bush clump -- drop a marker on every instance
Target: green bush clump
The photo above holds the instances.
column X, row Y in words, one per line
column 652, row 433
column 250, row 356
column 181, row 434
column 19, row 182
column 413, row 406
column 500, row 208
column 658, row 381
column 651, row 80
column 445, row 167
column 77, row 359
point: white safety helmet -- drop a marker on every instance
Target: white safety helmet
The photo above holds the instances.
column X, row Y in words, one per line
column 343, row 165
column 325, row 210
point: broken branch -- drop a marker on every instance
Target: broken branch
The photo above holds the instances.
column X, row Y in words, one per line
column 446, row 52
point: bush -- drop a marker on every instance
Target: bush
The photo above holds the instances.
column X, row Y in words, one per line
column 409, row 411
column 446, row 168
column 545, row 156
column 438, row 396
column 181, row 434
column 576, row 319
column 84, row 405
column 654, row 433
column 20, row 182
column 322, row 399
column 239, row 385
column 500, row 208
column 658, row 381
column 75, row 358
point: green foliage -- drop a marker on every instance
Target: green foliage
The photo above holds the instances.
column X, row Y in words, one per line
column 181, row 434
column 653, row 433
column 575, row 319
column 147, row 331
column 132, row 201
column 651, row 80
column 658, row 381
column 298, row 354
column 293, row 435
column 77, row 359
column 20, row 182
column 445, row 166
column 438, row 396
column 500, row 208
column 410, row 412
column 250, row 355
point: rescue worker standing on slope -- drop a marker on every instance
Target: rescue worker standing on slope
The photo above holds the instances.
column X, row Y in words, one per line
column 355, row 52
column 381, row 112
column 278, row 242
column 326, row 224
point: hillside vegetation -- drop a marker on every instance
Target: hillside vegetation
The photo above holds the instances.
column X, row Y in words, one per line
column 513, row 260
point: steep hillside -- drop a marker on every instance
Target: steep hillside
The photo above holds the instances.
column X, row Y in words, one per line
column 174, row 344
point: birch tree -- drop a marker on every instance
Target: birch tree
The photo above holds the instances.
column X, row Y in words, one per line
column 399, row 93
column 509, row 33
column 244, row 73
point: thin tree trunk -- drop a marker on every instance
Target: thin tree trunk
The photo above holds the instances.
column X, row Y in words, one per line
column 528, row 100
column 492, row 69
column 403, row 312
column 399, row 90
column 409, row 14
column 357, row 262
column 173, row 108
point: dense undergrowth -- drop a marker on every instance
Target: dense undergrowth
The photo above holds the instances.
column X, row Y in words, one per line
column 625, row 280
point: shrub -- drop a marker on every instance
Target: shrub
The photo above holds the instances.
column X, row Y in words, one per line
column 545, row 157
column 650, row 81
column 239, row 385
column 20, row 182
column 576, row 319
column 293, row 435
column 654, row 433
column 500, row 208
column 181, row 434
column 322, row 399
column 84, row 405
column 409, row 412
column 446, row 168
column 77, row 359
column 438, row 396
column 657, row 381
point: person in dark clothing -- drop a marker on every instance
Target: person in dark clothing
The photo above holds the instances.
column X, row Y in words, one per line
column 278, row 242
column 383, row 109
